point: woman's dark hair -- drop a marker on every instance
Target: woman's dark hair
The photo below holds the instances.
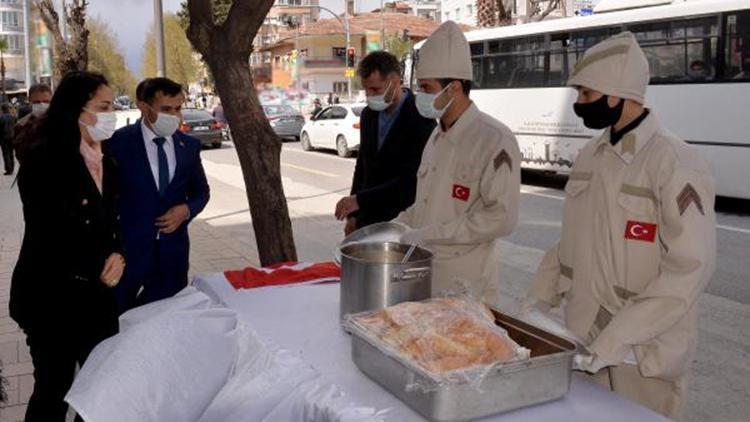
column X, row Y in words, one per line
column 57, row 132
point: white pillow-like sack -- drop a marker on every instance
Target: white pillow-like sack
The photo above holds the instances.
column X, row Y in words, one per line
column 166, row 365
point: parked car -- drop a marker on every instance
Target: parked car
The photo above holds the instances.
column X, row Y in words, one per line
column 285, row 120
column 122, row 102
column 335, row 127
column 201, row 124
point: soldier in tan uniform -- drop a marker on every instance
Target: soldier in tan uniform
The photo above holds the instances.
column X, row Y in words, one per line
column 638, row 241
column 468, row 183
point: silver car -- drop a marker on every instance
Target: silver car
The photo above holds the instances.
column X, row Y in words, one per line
column 285, row 120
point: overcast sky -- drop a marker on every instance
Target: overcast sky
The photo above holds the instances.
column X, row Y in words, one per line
column 131, row 19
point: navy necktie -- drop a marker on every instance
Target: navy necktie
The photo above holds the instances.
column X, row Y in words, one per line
column 163, row 165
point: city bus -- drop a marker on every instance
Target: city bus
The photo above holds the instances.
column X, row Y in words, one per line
column 699, row 55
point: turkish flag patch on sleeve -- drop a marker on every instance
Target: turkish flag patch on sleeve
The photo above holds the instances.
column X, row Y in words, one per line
column 638, row 230
column 461, row 192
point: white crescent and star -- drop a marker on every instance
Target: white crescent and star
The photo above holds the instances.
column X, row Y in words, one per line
column 637, row 230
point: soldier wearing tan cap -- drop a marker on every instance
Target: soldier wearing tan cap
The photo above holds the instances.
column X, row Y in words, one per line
column 638, row 242
column 469, row 179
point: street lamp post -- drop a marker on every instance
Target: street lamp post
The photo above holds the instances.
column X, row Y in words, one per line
column 161, row 67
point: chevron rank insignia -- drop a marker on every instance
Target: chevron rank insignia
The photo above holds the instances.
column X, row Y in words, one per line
column 688, row 196
column 503, row 158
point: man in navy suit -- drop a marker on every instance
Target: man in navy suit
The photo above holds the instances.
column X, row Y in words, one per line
column 162, row 188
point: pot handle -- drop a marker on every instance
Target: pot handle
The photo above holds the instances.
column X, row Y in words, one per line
column 411, row 274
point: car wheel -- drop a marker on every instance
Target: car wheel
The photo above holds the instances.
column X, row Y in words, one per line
column 342, row 148
column 305, row 141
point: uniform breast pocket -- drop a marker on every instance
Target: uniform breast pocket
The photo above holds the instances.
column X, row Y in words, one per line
column 640, row 233
column 465, row 187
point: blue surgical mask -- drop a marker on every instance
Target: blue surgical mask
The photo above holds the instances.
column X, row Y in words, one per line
column 426, row 104
column 378, row 102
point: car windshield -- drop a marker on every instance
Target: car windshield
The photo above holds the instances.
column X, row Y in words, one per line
column 358, row 110
column 273, row 110
column 193, row 114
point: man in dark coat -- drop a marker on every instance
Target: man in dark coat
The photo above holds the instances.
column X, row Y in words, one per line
column 392, row 137
column 163, row 188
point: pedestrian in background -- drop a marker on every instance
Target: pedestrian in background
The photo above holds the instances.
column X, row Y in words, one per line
column 7, row 126
column 392, row 137
column 40, row 96
column 61, row 291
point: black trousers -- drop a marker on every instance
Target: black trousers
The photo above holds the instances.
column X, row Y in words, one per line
column 10, row 163
column 55, row 354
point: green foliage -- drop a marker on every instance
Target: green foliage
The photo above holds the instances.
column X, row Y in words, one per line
column 398, row 46
column 3, row 44
column 221, row 11
column 182, row 63
column 106, row 57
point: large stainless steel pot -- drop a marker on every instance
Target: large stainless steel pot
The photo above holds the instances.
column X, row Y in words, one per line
column 373, row 277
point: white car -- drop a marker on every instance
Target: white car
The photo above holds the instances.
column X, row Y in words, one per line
column 335, row 127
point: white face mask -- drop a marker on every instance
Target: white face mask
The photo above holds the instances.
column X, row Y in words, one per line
column 37, row 109
column 105, row 125
column 426, row 104
column 166, row 124
column 377, row 102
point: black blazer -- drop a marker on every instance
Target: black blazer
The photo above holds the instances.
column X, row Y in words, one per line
column 70, row 230
column 385, row 181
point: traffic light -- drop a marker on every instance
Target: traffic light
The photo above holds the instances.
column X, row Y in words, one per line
column 350, row 57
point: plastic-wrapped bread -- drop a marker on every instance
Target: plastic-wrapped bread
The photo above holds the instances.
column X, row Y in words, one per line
column 441, row 335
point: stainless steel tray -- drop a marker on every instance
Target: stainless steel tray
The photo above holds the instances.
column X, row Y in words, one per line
column 544, row 377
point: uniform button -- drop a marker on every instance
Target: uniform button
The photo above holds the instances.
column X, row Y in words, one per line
column 85, row 201
column 87, row 221
column 434, row 168
column 425, row 200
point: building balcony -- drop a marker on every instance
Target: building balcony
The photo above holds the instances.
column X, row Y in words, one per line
column 11, row 29
column 324, row 62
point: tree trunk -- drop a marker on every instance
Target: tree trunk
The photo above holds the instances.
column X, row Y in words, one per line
column 226, row 49
column 259, row 152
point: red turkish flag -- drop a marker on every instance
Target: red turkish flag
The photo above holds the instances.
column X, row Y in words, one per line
column 461, row 192
column 638, row 230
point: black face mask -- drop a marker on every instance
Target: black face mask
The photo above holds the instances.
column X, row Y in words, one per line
column 598, row 114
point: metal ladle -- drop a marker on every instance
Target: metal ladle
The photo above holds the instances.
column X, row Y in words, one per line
column 409, row 253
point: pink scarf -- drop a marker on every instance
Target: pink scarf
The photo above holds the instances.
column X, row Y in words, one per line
column 92, row 156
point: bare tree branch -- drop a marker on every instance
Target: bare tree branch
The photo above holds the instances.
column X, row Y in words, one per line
column 201, row 25
column 538, row 15
column 70, row 54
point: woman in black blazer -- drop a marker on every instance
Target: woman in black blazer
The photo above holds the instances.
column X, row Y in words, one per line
column 61, row 292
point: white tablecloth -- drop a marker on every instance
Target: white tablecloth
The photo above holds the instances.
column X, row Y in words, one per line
column 305, row 321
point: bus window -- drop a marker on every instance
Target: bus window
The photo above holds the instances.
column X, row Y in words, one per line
column 559, row 61
column 476, row 68
column 737, row 47
column 477, row 49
